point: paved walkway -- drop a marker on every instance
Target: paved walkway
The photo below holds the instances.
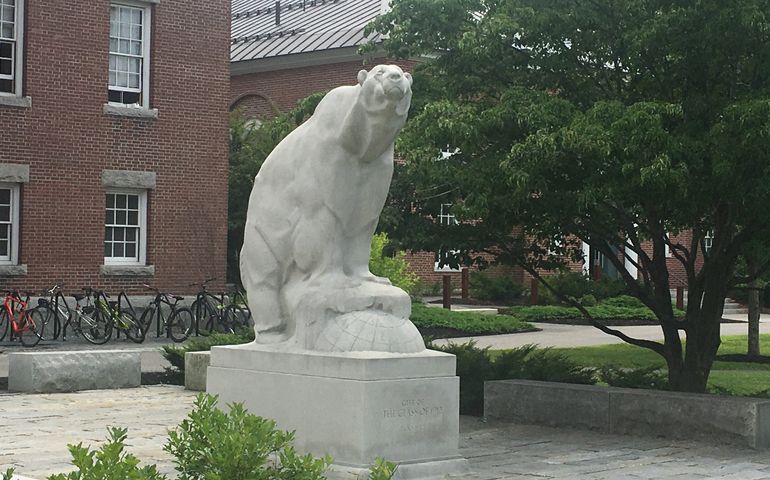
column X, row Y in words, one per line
column 35, row 429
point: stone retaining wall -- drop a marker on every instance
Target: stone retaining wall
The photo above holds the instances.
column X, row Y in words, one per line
column 716, row 418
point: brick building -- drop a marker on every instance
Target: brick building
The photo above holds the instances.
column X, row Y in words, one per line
column 113, row 143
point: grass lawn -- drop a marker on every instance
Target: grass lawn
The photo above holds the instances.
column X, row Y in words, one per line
column 434, row 320
column 738, row 378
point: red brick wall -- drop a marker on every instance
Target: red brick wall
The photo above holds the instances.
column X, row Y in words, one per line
column 67, row 141
column 260, row 94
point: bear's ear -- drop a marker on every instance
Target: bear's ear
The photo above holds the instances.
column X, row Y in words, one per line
column 408, row 76
column 362, row 76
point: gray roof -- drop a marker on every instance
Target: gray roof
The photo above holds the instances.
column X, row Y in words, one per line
column 305, row 26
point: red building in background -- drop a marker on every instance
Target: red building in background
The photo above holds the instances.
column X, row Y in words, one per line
column 113, row 142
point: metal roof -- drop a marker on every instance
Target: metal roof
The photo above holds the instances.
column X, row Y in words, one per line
column 305, row 26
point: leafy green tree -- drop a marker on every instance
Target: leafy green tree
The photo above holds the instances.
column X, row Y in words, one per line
column 615, row 122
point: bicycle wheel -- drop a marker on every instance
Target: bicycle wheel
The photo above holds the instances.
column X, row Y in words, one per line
column 31, row 331
column 47, row 320
column 235, row 318
column 131, row 326
column 180, row 324
column 148, row 315
column 94, row 326
column 204, row 314
column 3, row 322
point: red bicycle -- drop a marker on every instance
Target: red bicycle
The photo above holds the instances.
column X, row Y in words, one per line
column 26, row 324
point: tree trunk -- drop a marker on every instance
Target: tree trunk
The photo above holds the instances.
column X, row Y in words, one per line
column 703, row 339
column 753, row 348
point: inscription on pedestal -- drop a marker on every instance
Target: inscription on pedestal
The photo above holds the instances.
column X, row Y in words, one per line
column 413, row 415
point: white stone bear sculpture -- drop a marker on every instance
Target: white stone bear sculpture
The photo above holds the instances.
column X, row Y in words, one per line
column 312, row 213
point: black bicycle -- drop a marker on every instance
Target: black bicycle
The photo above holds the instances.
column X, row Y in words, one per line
column 212, row 313
column 177, row 322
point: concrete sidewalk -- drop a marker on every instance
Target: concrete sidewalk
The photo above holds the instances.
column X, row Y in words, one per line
column 35, row 431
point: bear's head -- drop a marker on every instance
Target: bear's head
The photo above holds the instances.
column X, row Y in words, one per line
column 386, row 86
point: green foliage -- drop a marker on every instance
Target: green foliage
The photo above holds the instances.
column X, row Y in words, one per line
column 624, row 301
column 213, row 445
column 476, row 365
column 610, row 122
column 587, row 300
column 8, row 474
column 648, row 377
column 250, row 144
column 467, row 322
column 110, row 462
column 395, row 267
column 623, row 309
column 577, row 286
column 382, row 470
column 494, row 288
column 175, row 353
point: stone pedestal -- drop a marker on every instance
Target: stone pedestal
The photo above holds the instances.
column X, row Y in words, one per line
column 353, row 406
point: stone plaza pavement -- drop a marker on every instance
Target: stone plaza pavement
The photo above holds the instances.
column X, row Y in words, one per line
column 35, row 429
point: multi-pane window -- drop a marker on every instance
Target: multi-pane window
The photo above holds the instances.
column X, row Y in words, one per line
column 445, row 216
column 124, row 229
column 9, row 223
column 8, row 46
column 128, row 55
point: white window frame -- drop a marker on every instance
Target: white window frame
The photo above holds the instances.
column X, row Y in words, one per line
column 141, row 258
column 13, row 258
column 18, row 67
column 446, row 219
column 146, row 50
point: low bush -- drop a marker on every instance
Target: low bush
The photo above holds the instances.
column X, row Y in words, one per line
column 175, row 353
column 577, row 285
column 110, row 462
column 647, row 377
column 236, row 445
column 494, row 288
column 623, row 309
column 469, row 323
column 476, row 365
column 210, row 444
column 625, row 301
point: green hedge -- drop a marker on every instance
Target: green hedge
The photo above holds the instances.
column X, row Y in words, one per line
column 467, row 322
column 604, row 311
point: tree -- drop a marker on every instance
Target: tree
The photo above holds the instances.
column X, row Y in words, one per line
column 614, row 122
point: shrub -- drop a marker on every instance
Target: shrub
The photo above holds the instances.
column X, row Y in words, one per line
column 588, row 300
column 625, row 301
column 175, row 353
column 647, row 377
column 476, row 365
column 466, row 322
column 110, row 462
column 494, row 288
column 395, row 268
column 237, row 445
column 8, row 474
column 578, row 285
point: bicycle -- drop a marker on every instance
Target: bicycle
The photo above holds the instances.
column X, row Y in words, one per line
column 27, row 324
column 119, row 318
column 57, row 312
column 212, row 313
column 178, row 324
column 97, row 320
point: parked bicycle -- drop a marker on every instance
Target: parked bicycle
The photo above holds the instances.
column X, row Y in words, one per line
column 177, row 322
column 25, row 324
column 212, row 313
column 57, row 314
column 98, row 318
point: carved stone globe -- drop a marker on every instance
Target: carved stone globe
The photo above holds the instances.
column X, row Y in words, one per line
column 370, row 330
